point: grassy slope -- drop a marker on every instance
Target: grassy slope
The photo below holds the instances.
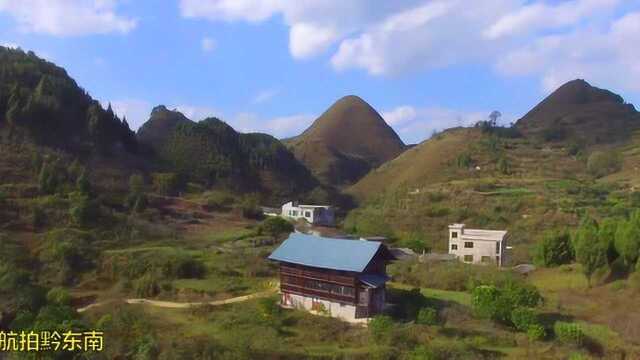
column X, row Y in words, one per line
column 422, row 191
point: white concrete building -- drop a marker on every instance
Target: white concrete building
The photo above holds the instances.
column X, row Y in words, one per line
column 314, row 214
column 477, row 246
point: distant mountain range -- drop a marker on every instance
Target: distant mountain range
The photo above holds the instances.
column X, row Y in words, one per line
column 349, row 145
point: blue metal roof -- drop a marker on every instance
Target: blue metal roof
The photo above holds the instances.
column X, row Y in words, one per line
column 328, row 253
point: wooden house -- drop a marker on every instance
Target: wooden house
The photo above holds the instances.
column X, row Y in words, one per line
column 337, row 277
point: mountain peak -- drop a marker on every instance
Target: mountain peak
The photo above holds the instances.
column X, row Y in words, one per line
column 346, row 141
column 578, row 111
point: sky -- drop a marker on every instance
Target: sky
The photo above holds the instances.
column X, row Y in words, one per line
column 275, row 65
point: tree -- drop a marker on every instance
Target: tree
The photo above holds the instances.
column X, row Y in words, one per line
column 590, row 252
column 607, row 236
column 493, row 118
column 627, row 240
column 83, row 184
column 554, row 249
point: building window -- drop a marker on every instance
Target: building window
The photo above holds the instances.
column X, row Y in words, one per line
column 468, row 258
column 497, row 248
column 454, row 246
column 294, row 213
column 454, row 235
column 468, row 244
column 485, row 259
column 307, row 213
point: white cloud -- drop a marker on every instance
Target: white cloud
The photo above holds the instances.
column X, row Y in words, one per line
column 539, row 16
column 207, row 44
column 265, row 95
column 67, row 17
column 605, row 57
column 9, row 45
column 279, row 127
column 414, row 124
column 555, row 40
column 307, row 40
column 229, row 10
column 400, row 115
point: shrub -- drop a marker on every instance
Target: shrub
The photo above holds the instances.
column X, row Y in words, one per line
column 484, row 300
column 603, row 163
column 218, row 200
column 380, row 328
column 58, row 296
column 275, row 226
column 166, row 183
column 464, row 161
column 249, row 207
column 147, row 286
column 495, row 303
column 83, row 210
column 569, row 333
column 536, row 332
column 427, row 316
column 523, row 318
column 554, row 249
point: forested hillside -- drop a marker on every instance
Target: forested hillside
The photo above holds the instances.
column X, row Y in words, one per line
column 40, row 101
column 212, row 153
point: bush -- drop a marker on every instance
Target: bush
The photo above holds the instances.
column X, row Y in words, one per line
column 218, row 200
column 147, row 286
column 275, row 226
column 83, row 210
column 166, row 183
column 58, row 296
column 249, row 207
column 603, row 163
column 381, row 328
column 427, row 316
column 498, row 303
column 536, row 332
column 569, row 333
column 554, row 249
column 523, row 318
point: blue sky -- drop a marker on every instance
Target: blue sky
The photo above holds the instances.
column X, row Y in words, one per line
column 275, row 65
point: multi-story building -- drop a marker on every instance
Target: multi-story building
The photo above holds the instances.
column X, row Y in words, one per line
column 477, row 246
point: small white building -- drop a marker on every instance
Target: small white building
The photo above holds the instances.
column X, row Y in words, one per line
column 476, row 246
column 314, row 214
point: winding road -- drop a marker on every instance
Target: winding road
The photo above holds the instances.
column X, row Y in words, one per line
column 179, row 305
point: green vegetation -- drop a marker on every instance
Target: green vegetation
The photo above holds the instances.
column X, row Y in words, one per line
column 554, row 249
column 41, row 99
column 602, row 163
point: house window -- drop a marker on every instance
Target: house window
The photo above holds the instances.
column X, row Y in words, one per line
column 454, row 235
column 294, row 212
column 485, row 259
column 468, row 244
column 454, row 246
column 307, row 213
column 497, row 248
column 468, row 258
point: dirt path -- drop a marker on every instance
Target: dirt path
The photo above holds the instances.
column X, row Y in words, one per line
column 180, row 305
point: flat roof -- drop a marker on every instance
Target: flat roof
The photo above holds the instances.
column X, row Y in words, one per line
column 487, row 235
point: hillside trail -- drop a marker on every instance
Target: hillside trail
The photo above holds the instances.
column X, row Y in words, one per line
column 179, row 305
